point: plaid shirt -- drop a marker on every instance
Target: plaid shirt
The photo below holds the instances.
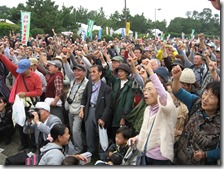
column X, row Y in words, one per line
column 58, row 83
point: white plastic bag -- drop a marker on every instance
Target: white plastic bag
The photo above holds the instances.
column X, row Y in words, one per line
column 18, row 111
column 103, row 138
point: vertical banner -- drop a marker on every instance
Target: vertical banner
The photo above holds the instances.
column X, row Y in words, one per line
column 100, row 34
column 162, row 36
column 127, row 28
column 192, row 34
column 25, row 27
column 183, row 35
column 107, row 30
column 111, row 31
column 90, row 27
column 168, row 37
column 83, row 35
column 136, row 35
column 122, row 32
column 147, row 35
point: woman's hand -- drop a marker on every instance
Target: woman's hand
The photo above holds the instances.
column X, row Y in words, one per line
column 199, row 155
column 132, row 141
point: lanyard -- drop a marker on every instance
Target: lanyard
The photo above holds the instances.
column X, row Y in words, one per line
column 93, row 91
column 76, row 90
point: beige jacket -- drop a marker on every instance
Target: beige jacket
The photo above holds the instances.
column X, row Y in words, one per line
column 162, row 133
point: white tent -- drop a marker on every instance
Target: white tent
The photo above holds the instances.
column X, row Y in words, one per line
column 119, row 31
column 6, row 21
column 156, row 32
column 84, row 27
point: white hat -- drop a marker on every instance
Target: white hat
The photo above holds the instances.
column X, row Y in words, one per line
column 43, row 105
column 187, row 76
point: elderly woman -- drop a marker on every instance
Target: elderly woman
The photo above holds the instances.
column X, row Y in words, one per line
column 200, row 139
column 160, row 117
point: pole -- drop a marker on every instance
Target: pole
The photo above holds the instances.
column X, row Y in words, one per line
column 155, row 20
column 125, row 9
column 155, row 24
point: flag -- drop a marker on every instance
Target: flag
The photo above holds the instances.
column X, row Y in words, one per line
column 136, row 35
column 127, row 28
column 90, row 27
column 162, row 36
column 183, row 35
column 192, row 34
column 83, row 35
column 111, row 31
column 107, row 30
column 100, row 34
column 25, row 26
column 168, row 37
column 122, row 32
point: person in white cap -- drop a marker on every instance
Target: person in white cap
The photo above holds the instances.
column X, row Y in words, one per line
column 27, row 84
column 43, row 122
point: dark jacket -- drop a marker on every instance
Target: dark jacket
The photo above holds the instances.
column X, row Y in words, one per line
column 103, row 105
column 6, row 124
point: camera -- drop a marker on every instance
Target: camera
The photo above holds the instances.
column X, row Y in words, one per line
column 69, row 100
column 29, row 114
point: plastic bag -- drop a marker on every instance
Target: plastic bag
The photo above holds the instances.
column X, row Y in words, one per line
column 18, row 111
column 103, row 138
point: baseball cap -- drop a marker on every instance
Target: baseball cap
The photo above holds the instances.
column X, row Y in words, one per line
column 117, row 58
column 187, row 76
column 43, row 105
column 56, row 63
column 23, row 65
column 33, row 61
column 80, row 67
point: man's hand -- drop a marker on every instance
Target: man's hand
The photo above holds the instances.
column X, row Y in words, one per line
column 22, row 94
column 101, row 123
column 36, row 118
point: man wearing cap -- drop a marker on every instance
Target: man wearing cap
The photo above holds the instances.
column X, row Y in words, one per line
column 33, row 65
column 27, row 84
column 54, row 87
column 78, row 84
column 43, row 122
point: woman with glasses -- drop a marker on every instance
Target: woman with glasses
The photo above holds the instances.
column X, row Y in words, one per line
column 157, row 131
column 199, row 143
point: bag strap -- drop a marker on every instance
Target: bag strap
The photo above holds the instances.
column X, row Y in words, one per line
column 27, row 89
column 149, row 135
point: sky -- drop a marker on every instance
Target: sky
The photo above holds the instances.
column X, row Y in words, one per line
column 169, row 8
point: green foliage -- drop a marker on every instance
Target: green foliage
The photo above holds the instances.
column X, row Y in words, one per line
column 36, row 31
column 6, row 28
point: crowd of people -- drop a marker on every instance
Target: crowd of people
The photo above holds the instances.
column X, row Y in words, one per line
column 160, row 97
